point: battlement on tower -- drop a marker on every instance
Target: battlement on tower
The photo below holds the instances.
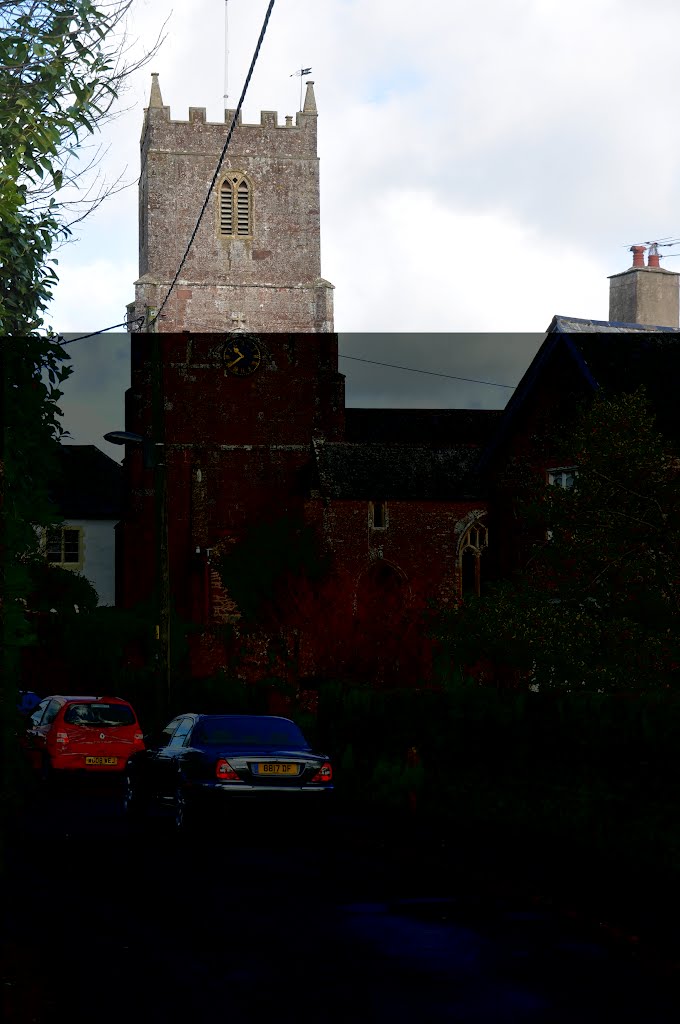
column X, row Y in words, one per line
column 247, row 137
column 197, row 115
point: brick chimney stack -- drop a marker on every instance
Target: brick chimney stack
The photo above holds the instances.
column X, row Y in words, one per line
column 645, row 294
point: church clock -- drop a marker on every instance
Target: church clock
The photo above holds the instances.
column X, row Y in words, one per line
column 241, row 355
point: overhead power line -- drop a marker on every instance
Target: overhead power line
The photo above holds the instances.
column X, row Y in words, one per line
column 430, row 373
column 356, row 359
column 125, row 323
column 219, row 162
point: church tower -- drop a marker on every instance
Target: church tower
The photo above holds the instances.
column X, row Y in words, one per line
column 255, row 263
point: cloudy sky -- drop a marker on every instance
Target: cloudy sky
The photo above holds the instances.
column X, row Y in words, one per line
column 483, row 167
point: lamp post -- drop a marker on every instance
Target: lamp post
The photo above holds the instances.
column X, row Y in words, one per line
column 155, row 457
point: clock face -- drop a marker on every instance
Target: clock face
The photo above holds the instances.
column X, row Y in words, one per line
column 241, row 355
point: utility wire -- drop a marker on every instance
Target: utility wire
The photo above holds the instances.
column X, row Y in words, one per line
column 431, row 373
column 126, row 323
column 356, row 359
column 219, row 162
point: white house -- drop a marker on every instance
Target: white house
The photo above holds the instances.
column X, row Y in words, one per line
column 88, row 494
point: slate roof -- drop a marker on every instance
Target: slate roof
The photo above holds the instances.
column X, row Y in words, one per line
column 627, row 356
column 441, row 427
column 613, row 356
column 394, row 471
column 89, row 484
column 576, row 325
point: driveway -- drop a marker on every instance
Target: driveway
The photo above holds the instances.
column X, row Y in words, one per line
column 108, row 924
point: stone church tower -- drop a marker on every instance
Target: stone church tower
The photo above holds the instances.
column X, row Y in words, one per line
column 243, row 391
column 255, row 263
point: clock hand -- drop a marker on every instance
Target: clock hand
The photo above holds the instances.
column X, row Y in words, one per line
column 239, row 356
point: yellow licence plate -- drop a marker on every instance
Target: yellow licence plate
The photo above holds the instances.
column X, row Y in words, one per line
column 101, row 760
column 268, row 768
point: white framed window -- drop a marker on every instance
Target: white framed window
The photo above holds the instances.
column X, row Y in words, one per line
column 64, row 546
column 562, row 476
column 235, row 206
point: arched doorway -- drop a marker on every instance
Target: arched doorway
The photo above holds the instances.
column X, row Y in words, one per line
column 382, row 599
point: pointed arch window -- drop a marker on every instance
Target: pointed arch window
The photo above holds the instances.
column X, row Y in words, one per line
column 472, row 544
column 236, row 207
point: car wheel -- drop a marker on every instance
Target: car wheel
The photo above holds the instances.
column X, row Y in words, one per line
column 134, row 803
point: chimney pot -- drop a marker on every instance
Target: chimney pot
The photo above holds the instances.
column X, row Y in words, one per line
column 638, row 252
column 647, row 295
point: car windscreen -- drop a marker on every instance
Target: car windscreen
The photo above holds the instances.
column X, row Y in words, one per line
column 99, row 714
column 244, row 731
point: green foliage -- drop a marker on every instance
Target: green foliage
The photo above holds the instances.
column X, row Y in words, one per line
column 273, row 562
column 60, row 590
column 597, row 605
column 349, row 781
column 387, row 786
column 60, row 69
column 564, row 776
column 586, row 784
column 220, row 694
column 30, row 371
column 58, row 77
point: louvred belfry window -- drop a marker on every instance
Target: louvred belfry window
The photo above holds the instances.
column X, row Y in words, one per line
column 235, row 207
column 243, row 208
column 226, row 209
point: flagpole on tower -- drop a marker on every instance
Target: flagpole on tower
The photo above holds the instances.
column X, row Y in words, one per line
column 301, row 73
column 226, row 54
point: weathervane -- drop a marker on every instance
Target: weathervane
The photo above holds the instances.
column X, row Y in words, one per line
column 300, row 74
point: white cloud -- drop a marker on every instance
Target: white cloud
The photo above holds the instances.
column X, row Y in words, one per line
column 557, row 118
column 483, row 166
column 453, row 271
column 92, row 295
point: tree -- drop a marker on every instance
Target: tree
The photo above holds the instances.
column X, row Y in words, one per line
column 30, row 374
column 277, row 573
column 31, row 370
column 597, row 604
column 287, row 585
column 62, row 65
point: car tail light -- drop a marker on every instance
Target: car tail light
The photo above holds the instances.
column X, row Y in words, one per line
column 223, row 770
column 324, row 774
column 139, row 738
column 62, row 737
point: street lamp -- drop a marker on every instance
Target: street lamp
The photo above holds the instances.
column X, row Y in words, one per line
column 154, row 458
column 152, row 452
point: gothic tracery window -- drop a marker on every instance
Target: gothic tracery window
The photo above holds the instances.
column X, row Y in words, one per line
column 472, row 544
column 235, row 206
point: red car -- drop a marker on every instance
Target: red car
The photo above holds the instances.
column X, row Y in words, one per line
column 92, row 734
